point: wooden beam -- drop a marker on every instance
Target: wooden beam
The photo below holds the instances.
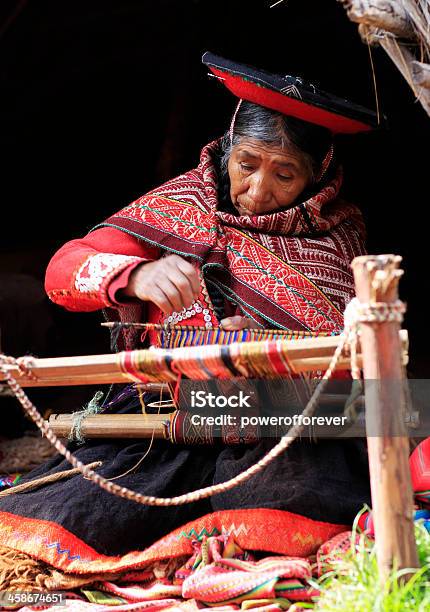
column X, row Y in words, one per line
column 304, row 355
column 397, row 27
column 376, row 280
column 143, row 425
column 421, row 74
column 113, row 425
column 405, row 62
column 387, row 15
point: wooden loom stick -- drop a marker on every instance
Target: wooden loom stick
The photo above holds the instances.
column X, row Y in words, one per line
column 142, row 425
column 376, row 280
column 304, row 355
column 113, row 425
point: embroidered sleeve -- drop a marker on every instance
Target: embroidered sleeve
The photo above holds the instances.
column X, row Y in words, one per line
column 81, row 272
column 90, row 289
column 98, row 270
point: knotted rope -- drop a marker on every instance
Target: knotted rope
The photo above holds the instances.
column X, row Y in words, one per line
column 355, row 313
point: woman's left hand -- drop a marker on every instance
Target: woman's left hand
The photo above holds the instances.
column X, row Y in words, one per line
column 239, row 322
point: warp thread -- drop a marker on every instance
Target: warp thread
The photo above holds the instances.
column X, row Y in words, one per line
column 354, row 316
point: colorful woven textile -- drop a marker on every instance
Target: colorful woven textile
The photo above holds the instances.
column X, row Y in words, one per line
column 287, row 269
column 252, row 360
column 261, row 529
column 219, row 575
column 223, row 574
column 367, row 526
column 192, row 336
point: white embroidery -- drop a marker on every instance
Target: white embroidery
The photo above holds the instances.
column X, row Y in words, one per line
column 183, row 314
column 96, row 268
column 291, row 90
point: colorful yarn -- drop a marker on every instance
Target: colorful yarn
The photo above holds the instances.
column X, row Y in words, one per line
column 366, row 524
column 9, row 481
column 146, row 366
column 187, row 335
column 268, row 359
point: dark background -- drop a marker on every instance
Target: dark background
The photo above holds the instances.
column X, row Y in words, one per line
column 103, row 99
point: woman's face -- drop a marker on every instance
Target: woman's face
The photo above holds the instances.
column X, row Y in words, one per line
column 264, row 178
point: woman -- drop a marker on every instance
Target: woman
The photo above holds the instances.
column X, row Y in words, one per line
column 256, row 235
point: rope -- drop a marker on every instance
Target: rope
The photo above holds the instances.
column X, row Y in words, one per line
column 355, row 313
column 374, row 312
column 33, row 484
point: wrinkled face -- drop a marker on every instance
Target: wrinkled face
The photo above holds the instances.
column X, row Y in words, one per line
column 264, row 178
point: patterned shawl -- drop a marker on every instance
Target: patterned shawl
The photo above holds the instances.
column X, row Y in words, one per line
column 288, row 269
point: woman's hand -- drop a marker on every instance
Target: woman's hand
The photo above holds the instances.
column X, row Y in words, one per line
column 238, row 322
column 172, row 283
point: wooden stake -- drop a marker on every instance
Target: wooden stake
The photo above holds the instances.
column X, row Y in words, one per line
column 376, row 280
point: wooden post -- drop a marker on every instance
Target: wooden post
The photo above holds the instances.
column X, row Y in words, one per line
column 376, row 280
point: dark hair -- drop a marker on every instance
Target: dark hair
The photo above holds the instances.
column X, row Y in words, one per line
column 253, row 121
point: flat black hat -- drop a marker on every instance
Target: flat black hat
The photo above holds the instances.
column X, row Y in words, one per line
column 291, row 96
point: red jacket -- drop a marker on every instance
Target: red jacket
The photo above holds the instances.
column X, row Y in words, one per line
column 85, row 274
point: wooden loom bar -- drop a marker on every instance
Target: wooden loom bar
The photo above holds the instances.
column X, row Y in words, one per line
column 376, row 280
column 142, row 425
column 113, row 425
column 304, row 355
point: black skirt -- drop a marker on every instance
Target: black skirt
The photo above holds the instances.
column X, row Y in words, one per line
column 325, row 480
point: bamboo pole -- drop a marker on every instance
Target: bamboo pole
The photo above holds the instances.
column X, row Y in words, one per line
column 143, row 425
column 310, row 354
column 376, row 280
column 113, row 425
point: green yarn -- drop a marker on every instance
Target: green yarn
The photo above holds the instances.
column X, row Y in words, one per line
column 93, row 407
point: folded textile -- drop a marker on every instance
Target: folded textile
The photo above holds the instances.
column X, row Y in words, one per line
column 219, row 574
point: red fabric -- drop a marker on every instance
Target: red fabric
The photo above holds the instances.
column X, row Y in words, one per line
column 419, row 463
column 219, row 575
column 275, row 531
column 119, row 283
column 253, row 92
column 60, row 274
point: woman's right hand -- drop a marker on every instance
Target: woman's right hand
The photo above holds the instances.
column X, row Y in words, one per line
column 172, row 283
